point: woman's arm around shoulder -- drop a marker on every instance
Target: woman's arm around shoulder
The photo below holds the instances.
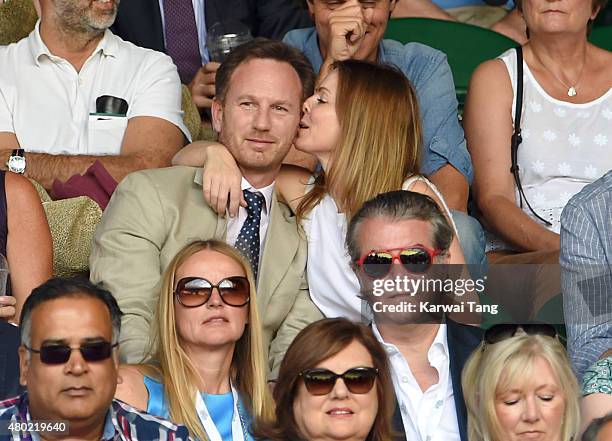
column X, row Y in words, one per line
column 131, row 388
column 291, row 184
column 29, row 246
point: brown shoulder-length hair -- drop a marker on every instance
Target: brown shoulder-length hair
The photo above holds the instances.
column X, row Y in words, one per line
column 314, row 344
column 380, row 136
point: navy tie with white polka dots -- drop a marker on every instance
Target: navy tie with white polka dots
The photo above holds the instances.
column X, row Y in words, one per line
column 248, row 239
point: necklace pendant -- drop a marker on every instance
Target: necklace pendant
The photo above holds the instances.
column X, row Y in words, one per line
column 572, row 91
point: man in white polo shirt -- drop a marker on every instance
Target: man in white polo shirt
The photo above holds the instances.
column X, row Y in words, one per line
column 73, row 93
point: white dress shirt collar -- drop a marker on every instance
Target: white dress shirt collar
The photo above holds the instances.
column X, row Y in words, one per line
column 265, row 191
column 426, row 415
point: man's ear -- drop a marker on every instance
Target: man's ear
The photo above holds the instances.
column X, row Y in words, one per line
column 392, row 5
column 443, row 258
column 310, row 4
column 24, row 365
column 217, row 115
column 116, row 357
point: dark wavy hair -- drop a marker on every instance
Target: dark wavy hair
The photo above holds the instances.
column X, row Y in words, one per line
column 315, row 343
column 263, row 48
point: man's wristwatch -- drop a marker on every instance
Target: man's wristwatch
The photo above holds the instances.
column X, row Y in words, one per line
column 17, row 161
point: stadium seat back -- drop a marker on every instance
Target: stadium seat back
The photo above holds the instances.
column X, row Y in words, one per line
column 466, row 46
column 602, row 36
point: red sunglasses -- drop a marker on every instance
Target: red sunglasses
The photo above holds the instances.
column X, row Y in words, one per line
column 415, row 259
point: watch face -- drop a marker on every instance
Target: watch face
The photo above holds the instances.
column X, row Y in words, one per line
column 17, row 164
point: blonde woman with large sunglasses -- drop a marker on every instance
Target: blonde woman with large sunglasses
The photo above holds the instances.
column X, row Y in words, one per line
column 210, row 372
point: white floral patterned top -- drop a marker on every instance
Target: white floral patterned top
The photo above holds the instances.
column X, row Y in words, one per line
column 565, row 146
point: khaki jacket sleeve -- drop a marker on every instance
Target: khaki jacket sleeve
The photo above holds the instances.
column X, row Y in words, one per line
column 303, row 312
column 125, row 258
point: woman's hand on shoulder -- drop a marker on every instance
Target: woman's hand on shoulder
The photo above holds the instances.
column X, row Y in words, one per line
column 221, row 177
column 130, row 387
column 222, row 181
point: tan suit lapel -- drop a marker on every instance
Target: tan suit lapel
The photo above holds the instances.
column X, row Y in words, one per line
column 279, row 251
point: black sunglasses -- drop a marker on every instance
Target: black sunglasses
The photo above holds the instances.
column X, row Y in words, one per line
column 358, row 380
column 497, row 333
column 60, row 354
column 192, row 292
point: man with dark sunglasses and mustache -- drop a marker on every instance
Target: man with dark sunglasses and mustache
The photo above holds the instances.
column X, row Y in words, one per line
column 393, row 240
column 68, row 361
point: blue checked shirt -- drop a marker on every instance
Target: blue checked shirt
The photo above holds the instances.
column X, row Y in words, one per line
column 586, row 263
column 430, row 74
column 123, row 423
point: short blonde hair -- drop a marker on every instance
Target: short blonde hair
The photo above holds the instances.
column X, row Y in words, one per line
column 514, row 358
column 177, row 372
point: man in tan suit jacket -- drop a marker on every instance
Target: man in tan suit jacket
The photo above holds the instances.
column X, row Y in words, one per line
column 155, row 213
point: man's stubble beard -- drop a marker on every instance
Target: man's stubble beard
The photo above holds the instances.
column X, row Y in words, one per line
column 72, row 19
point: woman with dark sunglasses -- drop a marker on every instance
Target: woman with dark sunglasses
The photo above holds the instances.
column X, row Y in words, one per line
column 333, row 384
column 518, row 384
column 363, row 126
column 211, row 371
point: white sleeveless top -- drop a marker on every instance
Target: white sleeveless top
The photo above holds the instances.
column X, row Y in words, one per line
column 565, row 146
column 333, row 285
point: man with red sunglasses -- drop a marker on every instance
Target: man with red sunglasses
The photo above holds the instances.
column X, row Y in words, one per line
column 68, row 361
column 394, row 240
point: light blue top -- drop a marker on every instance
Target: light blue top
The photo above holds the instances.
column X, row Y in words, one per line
column 156, row 404
column 430, row 74
column 220, row 407
column 221, row 410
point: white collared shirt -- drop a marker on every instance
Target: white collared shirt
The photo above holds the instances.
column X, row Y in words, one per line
column 429, row 415
column 51, row 108
column 234, row 225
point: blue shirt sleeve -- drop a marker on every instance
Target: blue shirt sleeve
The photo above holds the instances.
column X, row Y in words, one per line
column 430, row 74
column 586, row 280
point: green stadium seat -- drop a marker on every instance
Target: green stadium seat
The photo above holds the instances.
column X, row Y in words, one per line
column 466, row 46
column 602, row 36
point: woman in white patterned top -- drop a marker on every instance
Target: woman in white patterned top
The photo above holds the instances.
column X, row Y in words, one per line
column 566, row 128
